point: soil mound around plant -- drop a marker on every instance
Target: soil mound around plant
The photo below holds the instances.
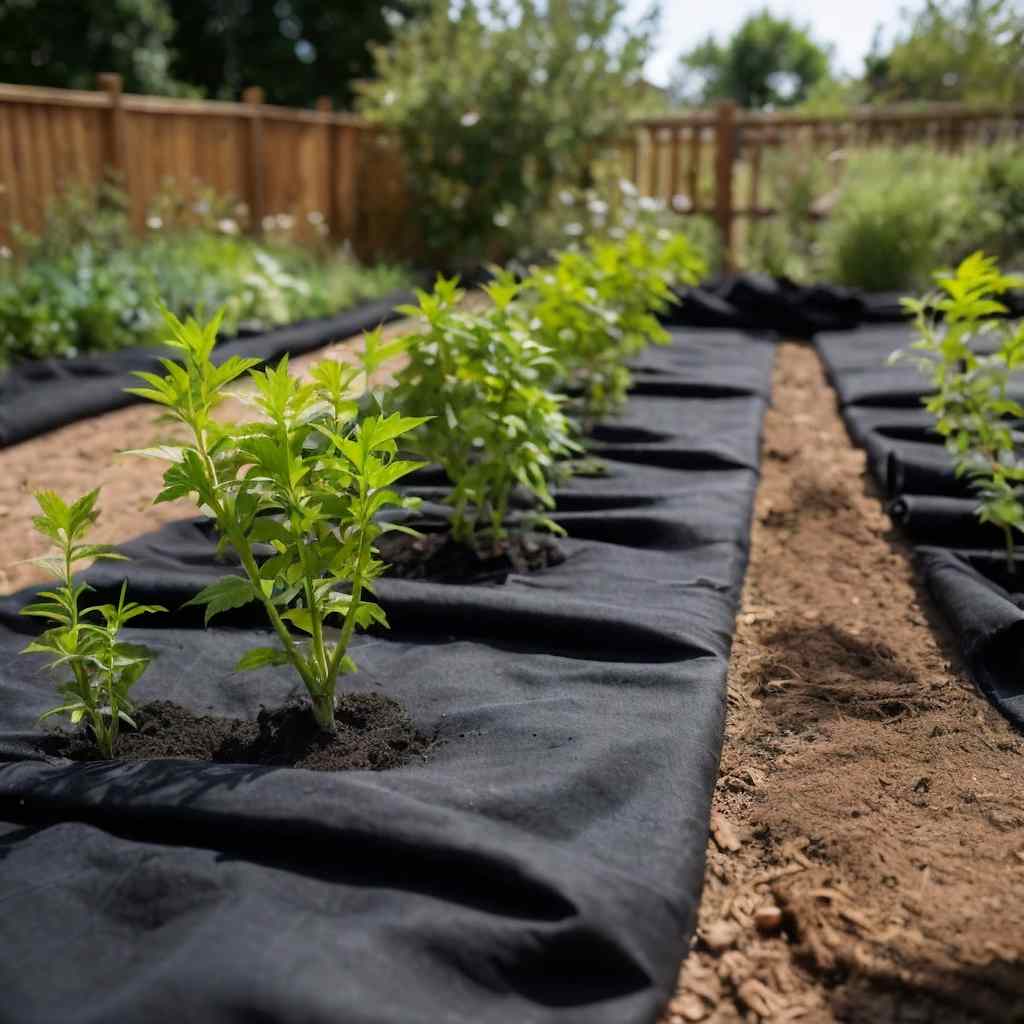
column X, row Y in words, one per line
column 438, row 558
column 374, row 732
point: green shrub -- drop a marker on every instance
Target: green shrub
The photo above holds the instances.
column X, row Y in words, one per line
column 596, row 307
column 307, row 477
column 88, row 285
column 495, row 425
column 971, row 404
column 899, row 214
column 499, row 105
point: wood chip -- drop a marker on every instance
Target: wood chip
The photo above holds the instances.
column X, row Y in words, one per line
column 724, row 834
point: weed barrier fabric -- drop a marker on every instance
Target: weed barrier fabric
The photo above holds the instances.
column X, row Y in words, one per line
column 543, row 864
column 963, row 561
column 36, row 397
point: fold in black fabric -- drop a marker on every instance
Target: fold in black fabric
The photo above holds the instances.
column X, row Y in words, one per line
column 982, row 601
column 39, row 396
column 543, row 865
column 760, row 302
column 963, row 561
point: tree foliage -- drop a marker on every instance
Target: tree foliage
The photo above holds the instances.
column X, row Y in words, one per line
column 768, row 62
column 497, row 104
column 953, row 50
column 60, row 44
column 297, row 50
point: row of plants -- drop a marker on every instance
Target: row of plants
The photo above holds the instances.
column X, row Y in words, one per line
column 969, row 351
column 500, row 399
column 88, row 283
column 892, row 214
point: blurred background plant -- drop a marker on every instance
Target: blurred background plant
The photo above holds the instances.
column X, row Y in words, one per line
column 89, row 283
column 500, row 105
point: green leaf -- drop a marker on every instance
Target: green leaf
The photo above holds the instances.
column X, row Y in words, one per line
column 261, row 657
column 227, row 593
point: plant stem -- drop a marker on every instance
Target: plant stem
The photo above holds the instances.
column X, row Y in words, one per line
column 1011, row 567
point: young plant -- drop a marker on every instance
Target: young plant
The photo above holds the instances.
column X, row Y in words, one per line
column 307, row 478
column 969, row 356
column 497, row 426
column 96, row 668
column 596, row 308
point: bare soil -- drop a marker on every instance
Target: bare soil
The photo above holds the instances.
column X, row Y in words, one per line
column 866, row 862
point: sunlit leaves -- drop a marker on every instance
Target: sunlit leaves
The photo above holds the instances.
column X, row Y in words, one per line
column 94, row 668
column 968, row 355
column 305, row 479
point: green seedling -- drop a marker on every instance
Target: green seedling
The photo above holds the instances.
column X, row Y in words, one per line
column 596, row 310
column 497, row 424
column 308, row 478
column 95, row 668
column 969, row 355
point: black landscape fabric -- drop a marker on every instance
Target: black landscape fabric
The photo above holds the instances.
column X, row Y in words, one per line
column 39, row 396
column 542, row 865
column 963, row 561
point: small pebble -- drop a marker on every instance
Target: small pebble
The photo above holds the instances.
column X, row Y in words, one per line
column 768, row 919
column 720, row 936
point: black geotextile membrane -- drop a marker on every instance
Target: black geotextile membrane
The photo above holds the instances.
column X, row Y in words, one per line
column 963, row 561
column 39, row 396
column 543, row 864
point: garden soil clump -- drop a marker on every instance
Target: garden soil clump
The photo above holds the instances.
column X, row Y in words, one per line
column 374, row 733
column 867, row 848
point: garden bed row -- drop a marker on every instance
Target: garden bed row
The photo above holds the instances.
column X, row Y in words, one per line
column 963, row 560
column 541, row 860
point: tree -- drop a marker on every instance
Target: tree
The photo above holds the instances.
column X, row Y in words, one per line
column 769, row 62
column 499, row 103
column 296, row 50
column 61, row 44
column 953, row 50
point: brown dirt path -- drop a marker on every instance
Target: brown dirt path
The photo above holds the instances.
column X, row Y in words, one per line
column 867, row 860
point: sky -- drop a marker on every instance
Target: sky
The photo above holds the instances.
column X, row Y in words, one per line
column 848, row 25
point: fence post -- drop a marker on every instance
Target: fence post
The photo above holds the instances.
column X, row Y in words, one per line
column 253, row 157
column 114, row 156
column 725, row 162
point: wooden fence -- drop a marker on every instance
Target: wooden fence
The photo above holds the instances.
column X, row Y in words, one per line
column 279, row 160
column 713, row 162
column 274, row 159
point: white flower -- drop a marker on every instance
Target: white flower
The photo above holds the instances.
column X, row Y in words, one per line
column 681, row 203
column 566, row 198
column 598, row 207
column 469, row 118
column 227, row 226
column 269, row 223
column 502, row 219
column 627, row 188
column 389, row 97
column 617, row 233
column 154, row 223
column 315, row 217
column 574, row 230
column 649, row 205
column 5, row 253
